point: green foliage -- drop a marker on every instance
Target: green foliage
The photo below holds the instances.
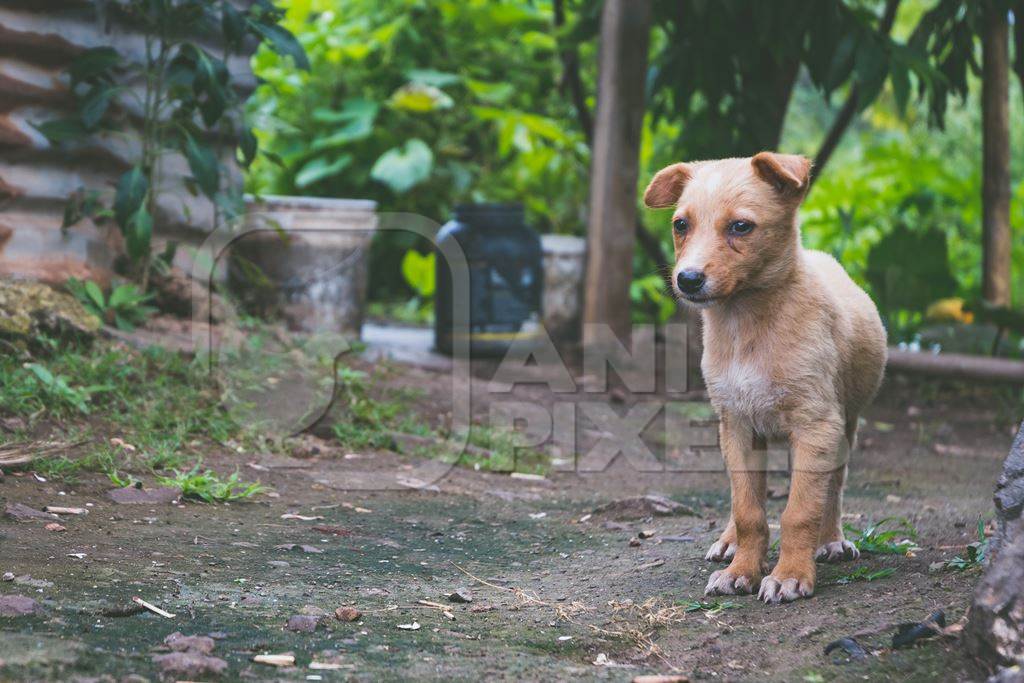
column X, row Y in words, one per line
column 897, row 540
column 209, row 487
column 709, row 606
column 973, row 558
column 56, row 388
column 370, row 422
column 652, row 299
column 732, row 97
column 419, row 272
column 902, row 283
column 188, row 104
column 125, row 307
column 865, row 574
column 419, row 106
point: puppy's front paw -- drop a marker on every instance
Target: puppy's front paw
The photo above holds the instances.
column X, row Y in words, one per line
column 777, row 589
column 721, row 550
column 837, row 551
column 730, row 582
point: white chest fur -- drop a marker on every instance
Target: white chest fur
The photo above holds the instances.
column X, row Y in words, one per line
column 744, row 389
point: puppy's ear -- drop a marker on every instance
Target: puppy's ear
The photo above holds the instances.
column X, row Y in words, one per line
column 787, row 173
column 666, row 186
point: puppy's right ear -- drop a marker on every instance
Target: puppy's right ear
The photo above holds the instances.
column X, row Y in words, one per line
column 667, row 186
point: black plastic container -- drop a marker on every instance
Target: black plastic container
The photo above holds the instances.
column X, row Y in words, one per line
column 505, row 278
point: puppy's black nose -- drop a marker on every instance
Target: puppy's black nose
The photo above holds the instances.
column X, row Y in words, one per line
column 690, row 281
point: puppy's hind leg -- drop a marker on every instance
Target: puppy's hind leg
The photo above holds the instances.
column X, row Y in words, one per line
column 832, row 544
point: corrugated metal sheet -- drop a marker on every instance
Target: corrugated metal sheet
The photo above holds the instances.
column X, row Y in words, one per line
column 37, row 41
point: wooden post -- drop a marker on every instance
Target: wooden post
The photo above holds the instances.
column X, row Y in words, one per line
column 995, row 187
column 625, row 29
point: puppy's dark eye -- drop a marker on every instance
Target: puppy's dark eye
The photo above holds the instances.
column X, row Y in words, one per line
column 740, row 228
column 680, row 225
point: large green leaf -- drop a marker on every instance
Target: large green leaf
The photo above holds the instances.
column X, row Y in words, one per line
column 418, row 271
column 95, row 104
column 419, row 98
column 320, row 168
column 92, row 64
column 61, row 130
column 282, row 42
column 130, row 194
column 203, row 164
column 402, row 168
column 139, row 234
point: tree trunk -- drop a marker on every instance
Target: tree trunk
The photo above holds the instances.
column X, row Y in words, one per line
column 611, row 229
column 995, row 189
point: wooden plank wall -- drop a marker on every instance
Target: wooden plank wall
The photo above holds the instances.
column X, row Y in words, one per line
column 37, row 41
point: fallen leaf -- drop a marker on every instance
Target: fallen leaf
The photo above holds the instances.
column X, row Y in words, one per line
column 414, row 626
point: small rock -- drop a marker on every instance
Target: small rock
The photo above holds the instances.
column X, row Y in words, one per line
column 303, row 548
column 24, row 513
column 53, row 526
column 17, row 606
column 27, row 580
column 191, row 665
column 634, row 542
column 644, row 506
column 131, row 495
column 8, row 576
column 347, row 614
column 303, row 623
column 182, row 643
column 462, row 595
column 646, row 533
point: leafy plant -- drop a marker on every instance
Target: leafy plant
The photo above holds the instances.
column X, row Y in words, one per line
column 651, row 299
column 208, row 486
column 420, row 106
column 974, row 556
column 865, row 574
column 58, row 389
column 125, row 307
column 898, row 540
column 188, row 104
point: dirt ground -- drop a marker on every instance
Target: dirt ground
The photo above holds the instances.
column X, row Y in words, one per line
column 558, row 592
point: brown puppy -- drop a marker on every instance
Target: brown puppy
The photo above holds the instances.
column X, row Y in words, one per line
column 792, row 347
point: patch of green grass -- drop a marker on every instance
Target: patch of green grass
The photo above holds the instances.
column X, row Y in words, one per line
column 500, row 451
column 973, row 557
column 159, row 401
column 865, row 574
column 208, row 486
column 898, row 539
column 370, row 422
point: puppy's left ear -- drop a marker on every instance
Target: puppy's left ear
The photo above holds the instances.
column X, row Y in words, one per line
column 788, row 173
column 667, row 186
